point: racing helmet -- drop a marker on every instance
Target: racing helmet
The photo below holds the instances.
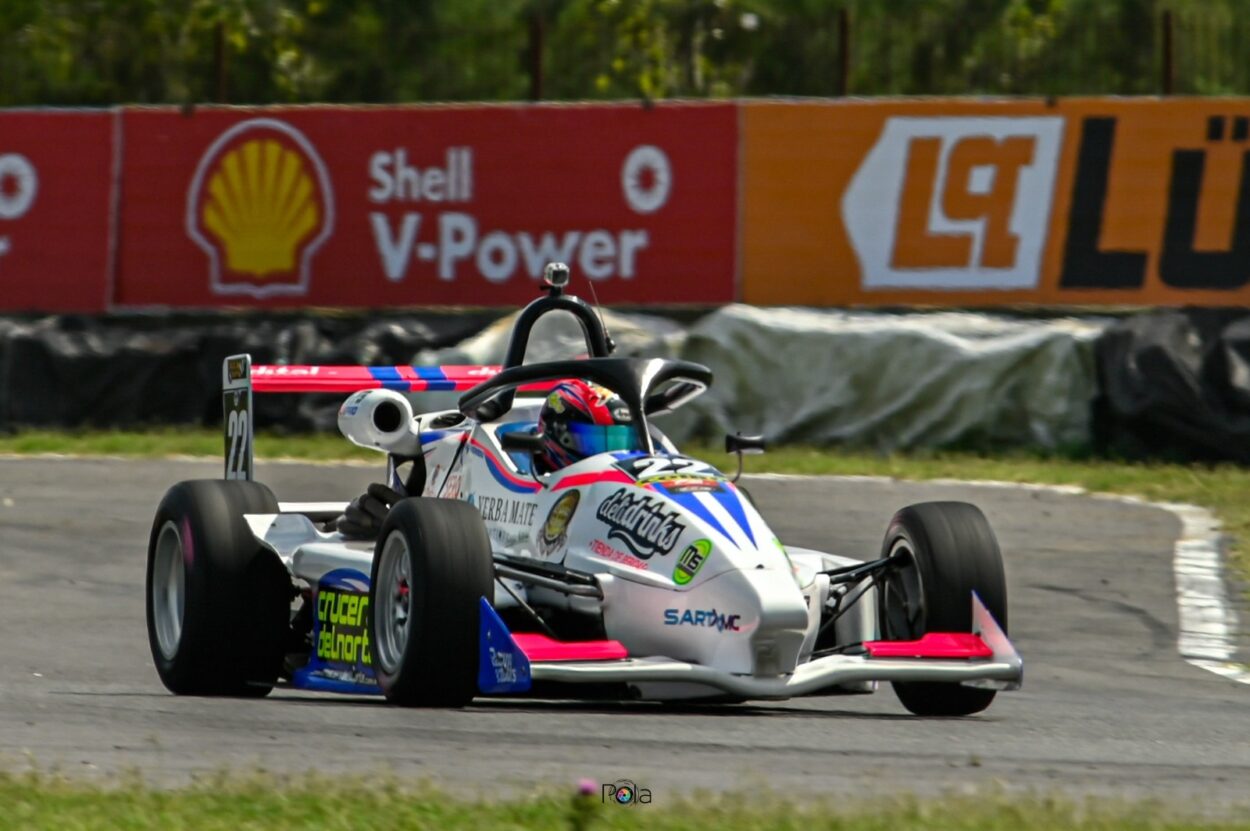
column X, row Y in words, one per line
column 579, row 420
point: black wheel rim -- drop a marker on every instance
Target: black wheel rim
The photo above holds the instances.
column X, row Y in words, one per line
column 902, row 595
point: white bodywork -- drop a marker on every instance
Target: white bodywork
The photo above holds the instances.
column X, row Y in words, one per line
column 743, row 624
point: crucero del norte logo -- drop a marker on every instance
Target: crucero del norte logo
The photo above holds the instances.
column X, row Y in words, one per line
column 641, row 523
column 343, row 633
column 260, row 205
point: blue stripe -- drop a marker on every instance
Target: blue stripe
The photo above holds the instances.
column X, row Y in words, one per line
column 690, row 501
column 733, row 504
column 496, row 471
column 389, row 376
column 435, row 378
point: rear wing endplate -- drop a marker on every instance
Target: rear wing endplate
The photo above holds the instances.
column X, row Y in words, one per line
column 236, row 412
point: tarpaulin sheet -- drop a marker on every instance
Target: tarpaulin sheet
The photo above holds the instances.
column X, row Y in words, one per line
column 887, row 381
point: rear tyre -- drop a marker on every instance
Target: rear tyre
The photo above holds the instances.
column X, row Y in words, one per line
column 218, row 603
column 431, row 566
column 946, row 551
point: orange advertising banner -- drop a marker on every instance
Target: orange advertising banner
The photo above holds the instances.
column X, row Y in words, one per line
column 978, row 203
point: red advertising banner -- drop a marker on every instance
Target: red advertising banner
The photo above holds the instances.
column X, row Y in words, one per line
column 436, row 205
column 56, row 186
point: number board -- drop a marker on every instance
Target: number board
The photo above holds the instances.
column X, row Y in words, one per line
column 236, row 401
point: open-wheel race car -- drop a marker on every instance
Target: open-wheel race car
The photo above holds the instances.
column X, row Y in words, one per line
column 534, row 542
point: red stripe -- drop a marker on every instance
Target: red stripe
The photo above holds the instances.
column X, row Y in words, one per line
column 312, row 378
column 542, row 648
column 503, row 468
column 579, row 479
column 932, row 645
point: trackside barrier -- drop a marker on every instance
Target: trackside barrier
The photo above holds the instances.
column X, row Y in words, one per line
column 939, row 202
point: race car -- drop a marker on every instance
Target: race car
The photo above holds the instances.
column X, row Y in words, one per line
column 636, row 572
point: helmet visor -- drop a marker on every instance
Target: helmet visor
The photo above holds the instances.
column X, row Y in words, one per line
column 590, row 439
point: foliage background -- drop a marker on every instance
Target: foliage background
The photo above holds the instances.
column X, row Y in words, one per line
column 100, row 52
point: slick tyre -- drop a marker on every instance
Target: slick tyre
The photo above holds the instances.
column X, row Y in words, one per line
column 431, row 566
column 218, row 603
column 944, row 552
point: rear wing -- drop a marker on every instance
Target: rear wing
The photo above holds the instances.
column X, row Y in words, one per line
column 240, row 378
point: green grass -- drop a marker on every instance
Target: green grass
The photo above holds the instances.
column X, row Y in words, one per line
column 1221, row 488
column 178, row 441
column 261, row 802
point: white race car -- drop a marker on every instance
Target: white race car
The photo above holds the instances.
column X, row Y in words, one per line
column 638, row 573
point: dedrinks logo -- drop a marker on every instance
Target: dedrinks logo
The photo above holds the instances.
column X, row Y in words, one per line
column 972, row 206
column 260, row 205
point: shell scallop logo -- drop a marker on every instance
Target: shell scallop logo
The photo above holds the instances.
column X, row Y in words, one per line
column 260, row 205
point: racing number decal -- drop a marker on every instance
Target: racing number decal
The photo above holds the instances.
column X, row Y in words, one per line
column 653, row 466
column 238, row 434
column 236, row 406
column 238, row 457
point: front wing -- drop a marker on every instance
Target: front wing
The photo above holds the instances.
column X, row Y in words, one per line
column 510, row 664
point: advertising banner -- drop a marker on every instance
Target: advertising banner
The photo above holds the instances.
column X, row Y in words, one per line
column 56, row 189
column 978, row 203
column 416, row 206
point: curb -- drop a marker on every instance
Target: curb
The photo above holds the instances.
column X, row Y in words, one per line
column 1207, row 621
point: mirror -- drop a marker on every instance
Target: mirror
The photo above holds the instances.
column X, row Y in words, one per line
column 741, row 445
column 749, row 445
column 520, row 442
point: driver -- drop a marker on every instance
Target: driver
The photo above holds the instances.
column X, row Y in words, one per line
column 578, row 420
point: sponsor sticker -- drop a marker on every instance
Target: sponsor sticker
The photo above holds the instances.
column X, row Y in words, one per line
column 555, row 531
column 602, row 549
column 508, row 511
column 343, row 633
column 641, row 523
column 708, row 618
column 684, row 483
column 505, row 669
column 691, row 560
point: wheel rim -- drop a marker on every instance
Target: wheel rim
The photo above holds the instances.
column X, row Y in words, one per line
column 169, row 589
column 902, row 595
column 393, row 602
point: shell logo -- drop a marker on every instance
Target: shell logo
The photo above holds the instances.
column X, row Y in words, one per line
column 260, row 205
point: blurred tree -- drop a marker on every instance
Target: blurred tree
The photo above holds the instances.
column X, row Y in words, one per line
column 74, row 52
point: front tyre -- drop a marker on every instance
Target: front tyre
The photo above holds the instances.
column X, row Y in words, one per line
column 218, row 603
column 944, row 551
column 431, row 567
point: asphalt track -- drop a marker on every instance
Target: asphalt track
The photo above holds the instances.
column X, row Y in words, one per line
column 1108, row 705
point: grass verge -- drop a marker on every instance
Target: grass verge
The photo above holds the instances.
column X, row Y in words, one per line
column 259, row 802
